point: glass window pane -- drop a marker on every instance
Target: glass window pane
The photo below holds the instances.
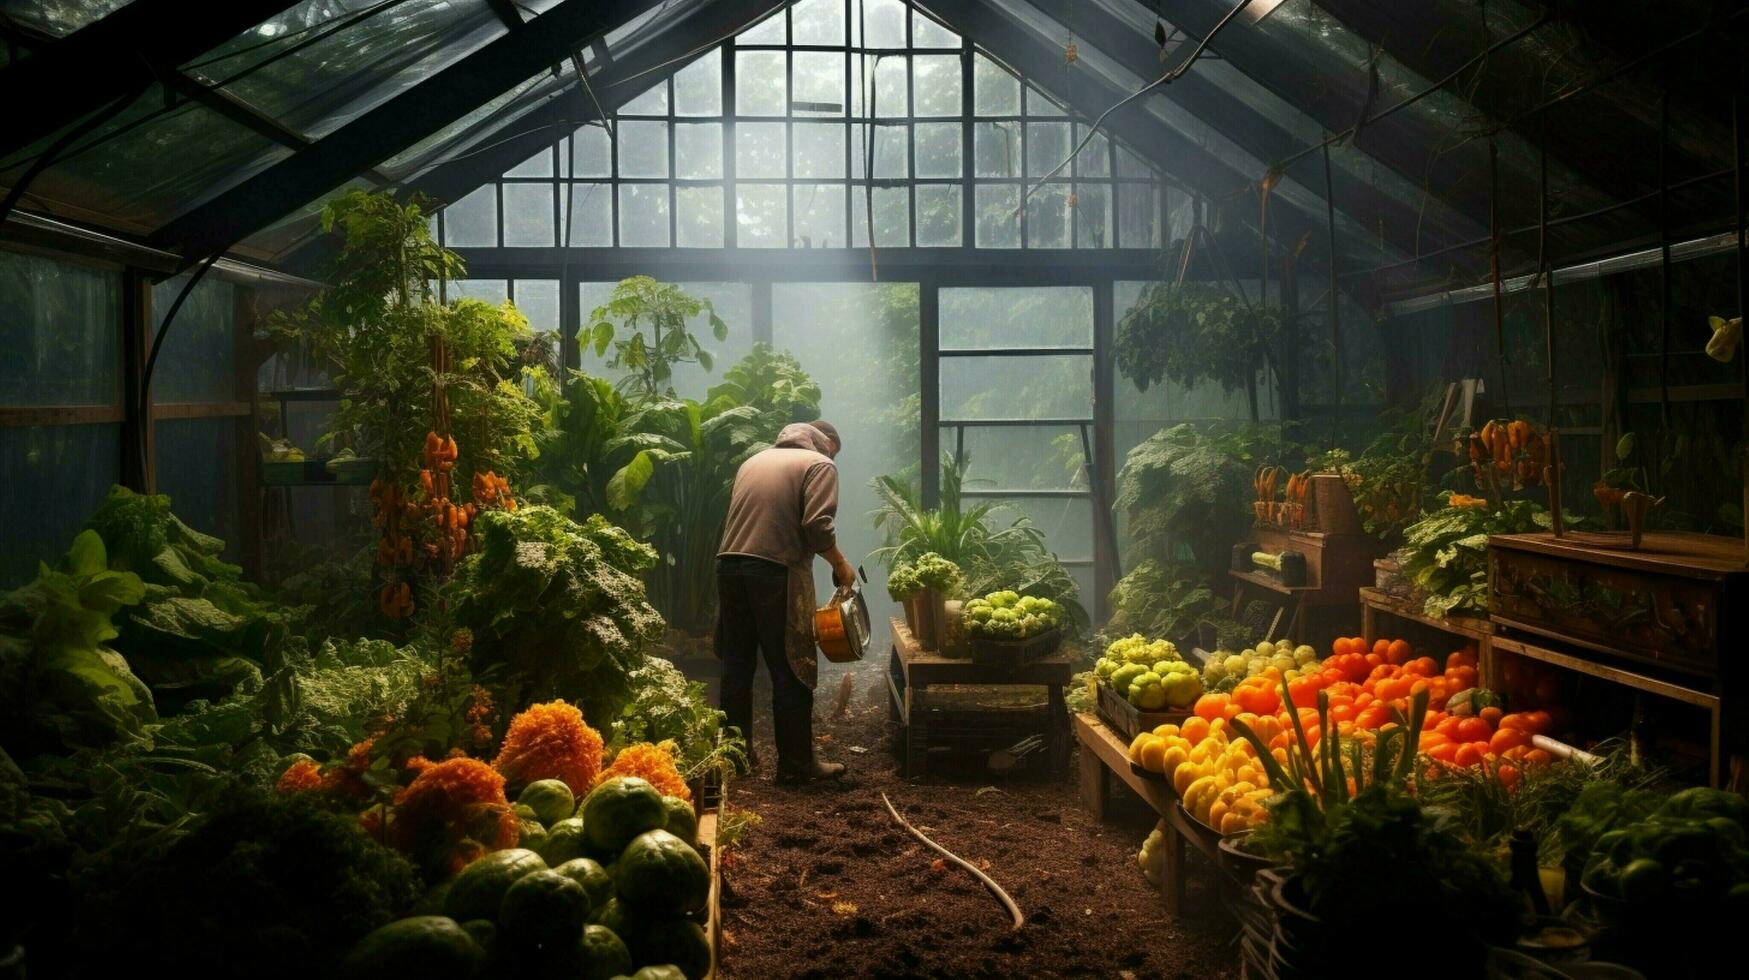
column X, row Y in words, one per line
column 538, row 301
column 594, row 155
column 653, row 101
column 859, row 341
column 759, row 149
column 819, row 84
column 494, row 291
column 978, row 318
column 1094, row 160
column 926, row 33
column 591, row 216
column 890, row 96
column 698, row 217
column 996, row 146
column 55, row 476
column 771, row 30
column 892, row 216
column 998, row 224
column 1046, row 457
column 643, row 149
column 819, row 211
column 539, row 165
column 817, row 22
column 885, row 20
column 1047, row 145
column 61, row 330
column 1092, row 208
column 819, row 149
column 698, row 151
column 938, row 150
column 938, row 215
column 197, row 466
column 1040, row 104
column 761, row 216
column 199, row 360
column 528, row 215
column 472, row 222
column 1047, row 217
column 995, row 92
column 1067, row 524
column 643, row 215
column 698, row 88
column 937, row 84
column 892, row 152
column 760, row 86
column 1053, row 386
column 1138, row 216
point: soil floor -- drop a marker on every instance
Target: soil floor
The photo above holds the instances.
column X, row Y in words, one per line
column 826, row 884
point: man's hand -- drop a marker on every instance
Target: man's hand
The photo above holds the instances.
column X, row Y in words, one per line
column 843, row 575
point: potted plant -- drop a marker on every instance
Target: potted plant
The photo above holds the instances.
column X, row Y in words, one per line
column 938, row 579
column 904, row 588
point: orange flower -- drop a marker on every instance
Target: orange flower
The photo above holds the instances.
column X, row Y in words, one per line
column 453, row 809
column 652, row 762
column 347, row 778
column 550, row 741
column 302, row 775
column 1464, row 500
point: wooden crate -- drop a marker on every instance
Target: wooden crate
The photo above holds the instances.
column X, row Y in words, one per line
column 1128, row 720
column 1013, row 653
column 1675, row 603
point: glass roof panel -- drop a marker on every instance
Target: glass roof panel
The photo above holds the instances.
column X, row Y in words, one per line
column 327, row 65
column 139, row 170
column 58, row 17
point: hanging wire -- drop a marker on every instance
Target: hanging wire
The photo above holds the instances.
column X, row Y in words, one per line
column 144, row 407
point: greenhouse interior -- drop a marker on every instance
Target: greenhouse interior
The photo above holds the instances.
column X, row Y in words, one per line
column 668, row 489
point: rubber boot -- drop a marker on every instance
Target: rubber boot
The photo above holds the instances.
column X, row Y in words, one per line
column 796, row 762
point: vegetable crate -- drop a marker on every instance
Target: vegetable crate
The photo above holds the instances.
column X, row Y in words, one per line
column 1013, row 653
column 1128, row 720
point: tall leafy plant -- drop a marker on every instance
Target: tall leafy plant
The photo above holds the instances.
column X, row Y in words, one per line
column 1187, row 486
column 644, row 323
column 1190, row 333
column 773, row 382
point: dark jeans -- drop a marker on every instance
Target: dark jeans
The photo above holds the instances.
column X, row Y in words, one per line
column 752, row 610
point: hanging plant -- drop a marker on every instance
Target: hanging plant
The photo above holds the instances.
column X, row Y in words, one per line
column 1193, row 332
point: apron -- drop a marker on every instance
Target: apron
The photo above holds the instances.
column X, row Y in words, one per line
column 798, row 627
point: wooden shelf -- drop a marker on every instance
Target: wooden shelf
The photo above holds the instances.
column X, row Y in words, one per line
column 1377, row 600
column 1263, row 581
column 1104, row 754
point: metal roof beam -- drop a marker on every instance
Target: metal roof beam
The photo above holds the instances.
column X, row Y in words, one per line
column 391, row 127
column 1253, row 131
column 124, row 52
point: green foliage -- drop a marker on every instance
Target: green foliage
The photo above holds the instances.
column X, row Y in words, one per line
column 666, row 706
column 773, row 382
column 1186, row 487
column 592, row 459
column 1445, row 554
column 263, row 881
column 1389, row 478
column 556, row 608
column 1171, row 602
column 1195, row 332
column 649, row 358
column 990, row 558
column 60, row 684
column 346, row 691
column 378, row 326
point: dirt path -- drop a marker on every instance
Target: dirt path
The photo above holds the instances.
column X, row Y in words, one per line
column 827, row 885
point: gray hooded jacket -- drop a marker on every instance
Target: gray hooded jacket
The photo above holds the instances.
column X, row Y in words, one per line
column 785, row 500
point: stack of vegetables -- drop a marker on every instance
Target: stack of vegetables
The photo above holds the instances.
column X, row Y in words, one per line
column 1008, row 615
column 1216, row 775
column 1149, row 674
column 1678, row 864
column 1226, row 669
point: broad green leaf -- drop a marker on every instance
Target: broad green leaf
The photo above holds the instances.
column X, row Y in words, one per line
column 87, row 556
column 627, row 485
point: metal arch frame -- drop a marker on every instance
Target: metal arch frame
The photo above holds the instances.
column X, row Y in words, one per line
column 136, row 45
column 402, row 121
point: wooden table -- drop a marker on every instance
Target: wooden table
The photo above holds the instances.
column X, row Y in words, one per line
column 1480, row 632
column 912, row 671
column 1104, row 755
column 713, row 929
